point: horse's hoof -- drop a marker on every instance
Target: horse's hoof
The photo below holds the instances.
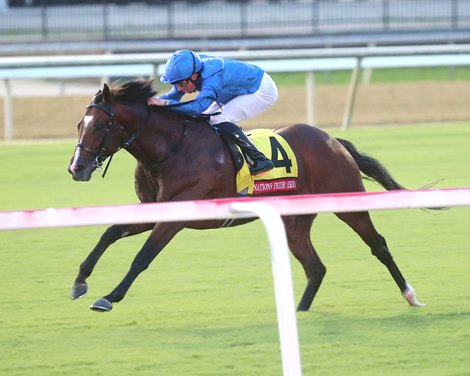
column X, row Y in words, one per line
column 78, row 290
column 410, row 297
column 102, row 305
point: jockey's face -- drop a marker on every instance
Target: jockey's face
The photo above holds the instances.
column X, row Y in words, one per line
column 189, row 85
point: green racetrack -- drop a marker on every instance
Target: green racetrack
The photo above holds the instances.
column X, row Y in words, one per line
column 206, row 305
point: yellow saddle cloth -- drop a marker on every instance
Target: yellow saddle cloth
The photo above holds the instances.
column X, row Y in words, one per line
column 282, row 178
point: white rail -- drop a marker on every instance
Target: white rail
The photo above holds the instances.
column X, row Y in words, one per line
column 268, row 209
column 222, row 208
column 157, row 58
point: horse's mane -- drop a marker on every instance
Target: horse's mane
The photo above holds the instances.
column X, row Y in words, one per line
column 136, row 91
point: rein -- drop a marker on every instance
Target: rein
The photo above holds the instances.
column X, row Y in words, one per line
column 176, row 149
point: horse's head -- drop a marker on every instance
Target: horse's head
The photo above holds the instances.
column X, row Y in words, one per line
column 101, row 130
column 98, row 137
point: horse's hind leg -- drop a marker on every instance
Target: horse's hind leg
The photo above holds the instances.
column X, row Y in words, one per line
column 298, row 237
column 361, row 223
column 112, row 233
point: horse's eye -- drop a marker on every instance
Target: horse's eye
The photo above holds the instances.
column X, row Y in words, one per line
column 99, row 125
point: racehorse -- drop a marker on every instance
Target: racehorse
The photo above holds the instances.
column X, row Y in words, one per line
column 180, row 158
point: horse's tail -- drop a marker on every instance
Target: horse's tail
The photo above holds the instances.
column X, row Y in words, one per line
column 371, row 167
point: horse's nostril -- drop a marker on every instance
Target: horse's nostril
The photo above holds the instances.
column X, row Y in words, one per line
column 74, row 168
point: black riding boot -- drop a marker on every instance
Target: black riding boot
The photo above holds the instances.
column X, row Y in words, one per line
column 258, row 162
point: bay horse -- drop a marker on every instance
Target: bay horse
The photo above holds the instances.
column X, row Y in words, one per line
column 180, row 158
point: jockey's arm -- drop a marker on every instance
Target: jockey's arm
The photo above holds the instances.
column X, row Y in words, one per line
column 207, row 95
column 173, row 94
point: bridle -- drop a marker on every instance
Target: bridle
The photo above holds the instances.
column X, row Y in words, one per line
column 99, row 152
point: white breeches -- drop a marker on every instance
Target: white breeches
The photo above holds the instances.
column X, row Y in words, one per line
column 245, row 106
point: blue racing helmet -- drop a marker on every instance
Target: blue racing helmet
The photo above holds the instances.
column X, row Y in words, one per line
column 181, row 66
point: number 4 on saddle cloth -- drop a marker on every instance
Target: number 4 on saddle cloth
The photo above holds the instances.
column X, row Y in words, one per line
column 282, row 178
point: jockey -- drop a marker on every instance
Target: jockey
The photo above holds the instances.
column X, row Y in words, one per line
column 235, row 89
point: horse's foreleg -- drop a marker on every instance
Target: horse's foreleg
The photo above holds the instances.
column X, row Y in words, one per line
column 362, row 224
column 298, row 237
column 161, row 235
column 113, row 233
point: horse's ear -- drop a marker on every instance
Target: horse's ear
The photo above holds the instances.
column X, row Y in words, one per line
column 106, row 92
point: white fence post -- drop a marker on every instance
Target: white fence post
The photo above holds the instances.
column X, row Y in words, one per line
column 8, row 109
column 283, row 286
column 350, row 100
column 310, row 95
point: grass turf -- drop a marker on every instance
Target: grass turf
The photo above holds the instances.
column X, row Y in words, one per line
column 206, row 305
